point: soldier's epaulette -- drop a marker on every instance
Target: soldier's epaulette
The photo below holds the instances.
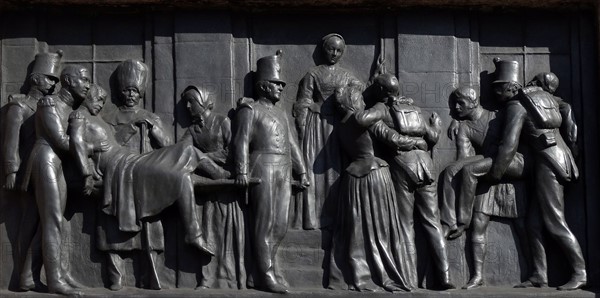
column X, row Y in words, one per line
column 245, row 102
column 17, row 98
column 76, row 115
column 530, row 89
column 46, row 102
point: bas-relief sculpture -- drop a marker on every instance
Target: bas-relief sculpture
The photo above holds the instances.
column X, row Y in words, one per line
column 362, row 161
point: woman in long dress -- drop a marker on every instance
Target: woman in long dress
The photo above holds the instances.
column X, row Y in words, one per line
column 222, row 216
column 316, row 117
column 367, row 252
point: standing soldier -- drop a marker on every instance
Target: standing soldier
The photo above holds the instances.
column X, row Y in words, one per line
column 534, row 114
column 17, row 142
column 265, row 148
column 413, row 173
column 45, row 169
column 141, row 131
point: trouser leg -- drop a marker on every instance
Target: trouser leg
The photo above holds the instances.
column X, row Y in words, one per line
column 479, row 242
column 187, row 210
column 29, row 233
column 427, row 206
column 50, row 192
column 114, row 270
column 550, row 194
column 406, row 204
column 470, row 176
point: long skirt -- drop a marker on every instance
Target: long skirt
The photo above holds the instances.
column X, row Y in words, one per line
column 367, row 245
column 322, row 156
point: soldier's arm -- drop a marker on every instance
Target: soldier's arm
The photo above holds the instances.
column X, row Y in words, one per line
column 10, row 143
column 433, row 129
column 381, row 132
column 77, row 143
column 159, row 133
column 515, row 117
column 51, row 124
column 243, row 124
column 369, row 117
column 464, row 147
column 568, row 126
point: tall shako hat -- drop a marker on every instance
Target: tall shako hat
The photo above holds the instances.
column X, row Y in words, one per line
column 48, row 64
column 269, row 68
column 506, row 71
column 132, row 73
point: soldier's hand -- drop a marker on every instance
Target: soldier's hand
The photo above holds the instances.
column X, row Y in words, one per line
column 9, row 183
column 435, row 120
column 421, row 144
column 453, row 129
column 89, row 185
column 304, row 183
column 143, row 121
column 241, row 180
column 103, row 146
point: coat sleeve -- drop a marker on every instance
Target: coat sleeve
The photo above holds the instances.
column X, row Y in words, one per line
column 244, row 119
column 51, row 125
column 77, row 143
column 515, row 118
column 10, row 143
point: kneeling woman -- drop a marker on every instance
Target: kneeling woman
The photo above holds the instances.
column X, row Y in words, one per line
column 137, row 186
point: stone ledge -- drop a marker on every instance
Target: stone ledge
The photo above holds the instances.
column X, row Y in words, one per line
column 314, row 293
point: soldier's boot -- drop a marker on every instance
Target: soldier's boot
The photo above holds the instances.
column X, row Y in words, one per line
column 441, row 260
column 153, row 274
column 113, row 268
column 579, row 277
column 187, row 210
column 478, row 258
column 26, row 282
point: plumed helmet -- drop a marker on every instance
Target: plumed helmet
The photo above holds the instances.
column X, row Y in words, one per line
column 269, row 68
column 132, row 73
column 506, row 71
column 48, row 64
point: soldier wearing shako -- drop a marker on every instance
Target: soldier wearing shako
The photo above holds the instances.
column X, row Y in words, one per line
column 413, row 174
column 18, row 137
column 45, row 169
column 265, row 148
column 534, row 115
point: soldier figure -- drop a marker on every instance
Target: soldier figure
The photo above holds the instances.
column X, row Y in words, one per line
column 17, row 143
column 265, row 148
column 413, row 172
column 45, row 168
column 534, row 115
column 141, row 131
column 477, row 138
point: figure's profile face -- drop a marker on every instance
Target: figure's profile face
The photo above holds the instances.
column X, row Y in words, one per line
column 95, row 104
column 274, row 90
column 463, row 106
column 334, row 49
column 502, row 91
column 197, row 111
column 44, row 83
column 131, row 96
column 80, row 84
